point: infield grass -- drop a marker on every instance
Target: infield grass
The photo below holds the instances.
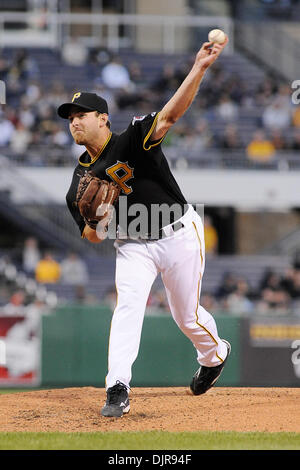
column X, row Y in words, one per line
column 151, row 440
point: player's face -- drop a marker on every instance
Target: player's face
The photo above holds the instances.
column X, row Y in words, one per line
column 84, row 126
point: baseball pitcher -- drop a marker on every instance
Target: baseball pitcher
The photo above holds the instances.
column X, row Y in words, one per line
column 132, row 166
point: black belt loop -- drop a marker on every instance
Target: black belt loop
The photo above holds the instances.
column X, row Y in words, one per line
column 177, row 226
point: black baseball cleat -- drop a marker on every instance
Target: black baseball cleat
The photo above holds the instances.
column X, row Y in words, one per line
column 206, row 377
column 117, row 402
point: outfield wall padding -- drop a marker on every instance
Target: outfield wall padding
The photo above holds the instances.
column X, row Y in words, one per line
column 75, row 345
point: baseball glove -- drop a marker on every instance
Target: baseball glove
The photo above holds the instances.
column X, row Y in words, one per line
column 95, row 198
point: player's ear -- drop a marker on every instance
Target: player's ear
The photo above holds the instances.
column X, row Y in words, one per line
column 102, row 119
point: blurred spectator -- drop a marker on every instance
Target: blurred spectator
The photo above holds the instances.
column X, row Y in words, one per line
column 230, row 139
column 20, row 139
column 294, row 286
column 23, row 67
column 47, row 124
column 266, row 90
column 33, row 92
column 210, row 236
column 4, row 67
column 287, row 280
column 198, row 138
column 59, row 137
column 26, row 114
column 47, row 270
column 167, row 80
column 74, row 52
column 237, row 88
column 31, row 255
column 276, row 115
column 74, row 271
column 100, row 56
column 284, row 96
column 238, row 301
column 136, row 74
column 16, row 304
column 226, row 109
column 6, row 130
column 12, row 115
column 53, row 96
column 296, row 260
column 278, row 139
column 274, row 301
column 116, row 76
column 260, row 149
column 273, row 297
column 270, row 280
column 227, row 286
column 290, row 280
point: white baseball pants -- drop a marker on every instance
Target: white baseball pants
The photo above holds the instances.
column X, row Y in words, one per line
column 180, row 258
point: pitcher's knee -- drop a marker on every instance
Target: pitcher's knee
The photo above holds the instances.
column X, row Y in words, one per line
column 187, row 325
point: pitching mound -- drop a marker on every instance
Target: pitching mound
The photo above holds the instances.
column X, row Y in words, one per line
column 164, row 409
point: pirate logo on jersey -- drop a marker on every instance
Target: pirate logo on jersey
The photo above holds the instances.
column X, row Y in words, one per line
column 121, row 172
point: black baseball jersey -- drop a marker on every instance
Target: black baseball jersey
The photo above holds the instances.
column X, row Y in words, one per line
column 137, row 165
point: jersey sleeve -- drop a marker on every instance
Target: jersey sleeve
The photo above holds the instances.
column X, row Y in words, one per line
column 70, row 199
column 142, row 128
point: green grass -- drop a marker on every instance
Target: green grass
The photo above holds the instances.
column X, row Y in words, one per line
column 151, row 440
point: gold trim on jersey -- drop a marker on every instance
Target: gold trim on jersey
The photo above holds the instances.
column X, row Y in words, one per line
column 198, row 295
column 149, row 134
column 98, row 154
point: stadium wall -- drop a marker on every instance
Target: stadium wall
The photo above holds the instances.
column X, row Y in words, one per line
column 265, row 351
column 75, row 345
column 235, row 188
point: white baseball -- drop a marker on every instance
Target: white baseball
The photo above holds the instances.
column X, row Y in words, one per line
column 216, row 35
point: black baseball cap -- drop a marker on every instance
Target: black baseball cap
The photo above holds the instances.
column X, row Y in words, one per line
column 88, row 101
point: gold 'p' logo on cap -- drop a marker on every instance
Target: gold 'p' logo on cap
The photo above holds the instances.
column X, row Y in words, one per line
column 76, row 95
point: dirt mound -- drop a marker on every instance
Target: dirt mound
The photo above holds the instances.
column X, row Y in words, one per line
column 164, row 409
